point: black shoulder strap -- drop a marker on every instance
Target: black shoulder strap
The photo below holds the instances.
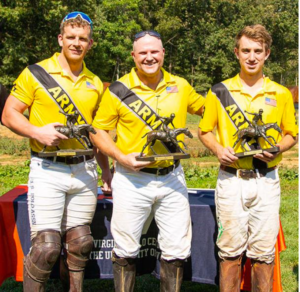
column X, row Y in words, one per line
column 233, row 110
column 55, row 91
column 139, row 107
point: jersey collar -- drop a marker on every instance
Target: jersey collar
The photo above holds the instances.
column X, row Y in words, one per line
column 54, row 67
column 236, row 84
column 134, row 80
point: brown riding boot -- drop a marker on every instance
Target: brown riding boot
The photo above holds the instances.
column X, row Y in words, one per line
column 230, row 274
column 124, row 273
column 64, row 274
column 32, row 285
column 262, row 276
column 171, row 275
column 78, row 243
column 71, row 281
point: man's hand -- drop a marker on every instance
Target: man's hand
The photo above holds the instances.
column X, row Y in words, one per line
column 106, row 179
column 48, row 136
column 267, row 156
column 226, row 155
column 130, row 162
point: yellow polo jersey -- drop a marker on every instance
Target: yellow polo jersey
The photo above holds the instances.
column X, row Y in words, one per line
column 85, row 92
column 276, row 102
column 172, row 95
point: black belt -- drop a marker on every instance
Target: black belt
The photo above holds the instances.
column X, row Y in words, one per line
column 161, row 171
column 65, row 159
column 247, row 173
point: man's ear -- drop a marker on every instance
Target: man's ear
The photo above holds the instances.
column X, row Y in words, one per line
column 60, row 40
column 267, row 54
column 236, row 52
column 91, row 41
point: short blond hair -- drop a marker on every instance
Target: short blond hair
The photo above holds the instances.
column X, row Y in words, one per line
column 255, row 32
column 78, row 21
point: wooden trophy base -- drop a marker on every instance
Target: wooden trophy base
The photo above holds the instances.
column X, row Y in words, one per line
column 66, row 152
column 159, row 157
column 256, row 151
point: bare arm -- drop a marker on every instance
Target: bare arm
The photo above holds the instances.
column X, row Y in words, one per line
column 199, row 112
column 224, row 155
column 14, row 119
column 287, row 142
column 104, row 142
column 102, row 161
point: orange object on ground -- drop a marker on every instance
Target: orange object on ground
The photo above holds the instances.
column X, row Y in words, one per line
column 11, row 253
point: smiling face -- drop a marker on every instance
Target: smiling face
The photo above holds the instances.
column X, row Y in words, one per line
column 252, row 56
column 148, row 55
column 75, row 42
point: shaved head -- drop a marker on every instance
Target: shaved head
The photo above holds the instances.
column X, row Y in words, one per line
column 146, row 39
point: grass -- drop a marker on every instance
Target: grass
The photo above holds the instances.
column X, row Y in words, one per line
column 13, row 146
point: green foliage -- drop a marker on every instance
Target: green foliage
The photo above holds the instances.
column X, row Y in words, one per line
column 12, row 171
column 198, row 35
column 196, row 173
column 11, row 176
column 289, row 174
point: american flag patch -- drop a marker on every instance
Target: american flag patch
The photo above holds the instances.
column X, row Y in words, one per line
column 172, row 89
column 90, row 85
column 270, row 101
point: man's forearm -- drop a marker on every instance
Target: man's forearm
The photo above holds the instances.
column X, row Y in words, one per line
column 287, row 142
column 102, row 159
column 18, row 123
column 105, row 144
column 209, row 141
column 225, row 155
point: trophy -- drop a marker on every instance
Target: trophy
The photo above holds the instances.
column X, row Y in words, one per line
column 169, row 138
column 255, row 131
column 72, row 131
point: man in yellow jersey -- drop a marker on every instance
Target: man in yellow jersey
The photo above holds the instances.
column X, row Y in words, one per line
column 248, row 190
column 133, row 105
column 62, row 191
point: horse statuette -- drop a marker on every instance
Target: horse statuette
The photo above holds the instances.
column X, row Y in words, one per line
column 168, row 137
column 72, row 131
column 256, row 131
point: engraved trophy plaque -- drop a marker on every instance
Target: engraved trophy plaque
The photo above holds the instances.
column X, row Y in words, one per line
column 255, row 131
column 169, row 138
column 72, row 131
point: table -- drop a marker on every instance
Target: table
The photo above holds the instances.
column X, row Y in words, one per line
column 201, row 267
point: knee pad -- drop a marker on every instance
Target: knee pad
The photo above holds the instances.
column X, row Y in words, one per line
column 44, row 252
column 78, row 243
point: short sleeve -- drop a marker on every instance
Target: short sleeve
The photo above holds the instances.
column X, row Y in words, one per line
column 210, row 114
column 23, row 87
column 195, row 101
column 289, row 121
column 107, row 115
